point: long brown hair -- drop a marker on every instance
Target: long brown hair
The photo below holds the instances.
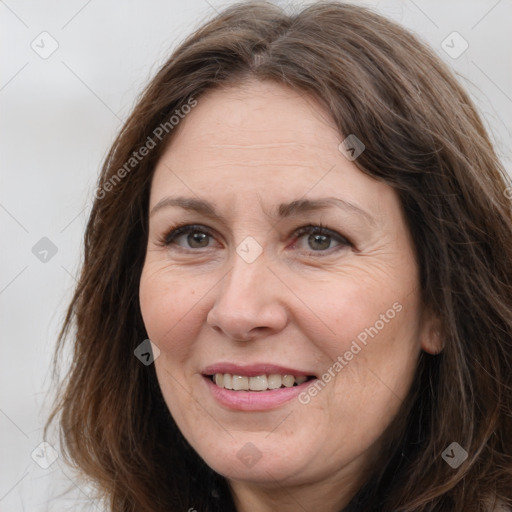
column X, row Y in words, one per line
column 424, row 137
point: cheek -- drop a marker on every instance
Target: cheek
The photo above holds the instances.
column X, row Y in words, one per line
column 360, row 310
column 168, row 306
column 370, row 345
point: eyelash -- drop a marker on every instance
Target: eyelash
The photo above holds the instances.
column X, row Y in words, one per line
column 317, row 229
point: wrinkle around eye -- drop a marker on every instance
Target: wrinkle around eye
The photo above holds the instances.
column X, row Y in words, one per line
column 173, row 236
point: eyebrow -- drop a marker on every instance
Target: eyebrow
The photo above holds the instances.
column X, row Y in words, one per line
column 284, row 210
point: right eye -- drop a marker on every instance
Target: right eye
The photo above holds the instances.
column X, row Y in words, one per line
column 188, row 237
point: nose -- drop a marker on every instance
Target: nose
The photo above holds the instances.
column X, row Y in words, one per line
column 249, row 302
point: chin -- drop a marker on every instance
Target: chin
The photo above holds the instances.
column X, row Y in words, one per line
column 252, row 458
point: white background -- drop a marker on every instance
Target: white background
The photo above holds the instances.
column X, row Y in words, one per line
column 58, row 118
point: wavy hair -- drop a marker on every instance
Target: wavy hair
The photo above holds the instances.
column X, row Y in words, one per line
column 424, row 138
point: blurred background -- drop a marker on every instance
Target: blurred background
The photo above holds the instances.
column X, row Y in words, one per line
column 70, row 74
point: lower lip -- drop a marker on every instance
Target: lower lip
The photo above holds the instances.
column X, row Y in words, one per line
column 254, row 400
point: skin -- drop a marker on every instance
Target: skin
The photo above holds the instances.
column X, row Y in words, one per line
column 299, row 304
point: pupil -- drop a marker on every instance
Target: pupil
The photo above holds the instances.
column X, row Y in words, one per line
column 322, row 239
column 196, row 239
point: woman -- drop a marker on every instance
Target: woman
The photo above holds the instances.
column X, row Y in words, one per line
column 305, row 216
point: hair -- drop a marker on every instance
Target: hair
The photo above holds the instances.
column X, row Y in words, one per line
column 423, row 137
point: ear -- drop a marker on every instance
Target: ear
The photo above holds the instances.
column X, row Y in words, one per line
column 431, row 337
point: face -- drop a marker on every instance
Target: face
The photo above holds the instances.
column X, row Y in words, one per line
column 271, row 254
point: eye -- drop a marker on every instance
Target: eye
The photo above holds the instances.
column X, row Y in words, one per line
column 320, row 239
column 189, row 237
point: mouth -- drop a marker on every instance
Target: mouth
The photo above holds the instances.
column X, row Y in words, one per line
column 257, row 387
column 258, row 383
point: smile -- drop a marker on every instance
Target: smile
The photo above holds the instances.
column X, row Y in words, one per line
column 257, row 387
column 258, row 382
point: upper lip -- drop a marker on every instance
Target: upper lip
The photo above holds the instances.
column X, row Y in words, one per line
column 253, row 370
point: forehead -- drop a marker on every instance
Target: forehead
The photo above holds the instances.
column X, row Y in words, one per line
column 260, row 139
column 263, row 118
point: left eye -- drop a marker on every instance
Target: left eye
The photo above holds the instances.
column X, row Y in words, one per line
column 319, row 238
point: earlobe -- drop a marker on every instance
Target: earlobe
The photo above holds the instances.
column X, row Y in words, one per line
column 431, row 336
column 432, row 340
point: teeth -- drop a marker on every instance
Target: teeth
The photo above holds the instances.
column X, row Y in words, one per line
column 288, row 381
column 240, row 382
column 258, row 383
column 275, row 381
column 228, row 379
